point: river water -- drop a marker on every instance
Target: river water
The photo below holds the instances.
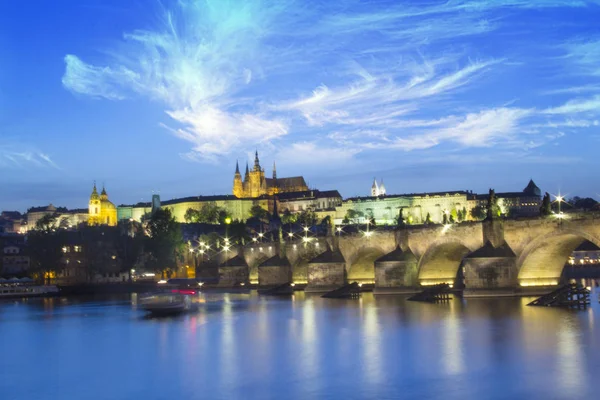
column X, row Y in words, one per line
column 243, row 346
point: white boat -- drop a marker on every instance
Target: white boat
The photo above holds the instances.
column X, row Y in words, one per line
column 166, row 303
column 12, row 290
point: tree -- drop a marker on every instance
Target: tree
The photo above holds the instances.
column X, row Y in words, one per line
column 453, row 216
column 307, row 218
column 400, row 223
column 191, row 215
column 97, row 248
column 445, row 219
column 464, row 214
column 46, row 223
column 259, row 213
column 353, row 216
column 165, row 242
column 209, row 213
column 326, row 222
column 546, row 208
column 129, row 244
column 583, row 203
column 428, row 219
column 287, row 217
column 493, row 210
column 478, row 213
column 45, row 245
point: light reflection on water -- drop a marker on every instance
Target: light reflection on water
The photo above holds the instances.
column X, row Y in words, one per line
column 245, row 346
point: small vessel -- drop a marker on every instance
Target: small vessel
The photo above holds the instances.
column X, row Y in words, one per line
column 17, row 290
column 170, row 301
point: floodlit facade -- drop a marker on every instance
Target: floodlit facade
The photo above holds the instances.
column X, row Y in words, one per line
column 101, row 210
column 255, row 184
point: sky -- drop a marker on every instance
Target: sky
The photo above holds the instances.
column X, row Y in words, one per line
column 161, row 96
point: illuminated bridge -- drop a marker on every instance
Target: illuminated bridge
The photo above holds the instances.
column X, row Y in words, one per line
column 490, row 255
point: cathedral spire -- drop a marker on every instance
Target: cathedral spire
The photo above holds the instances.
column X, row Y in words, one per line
column 247, row 176
column 237, row 167
column 274, row 171
column 256, row 162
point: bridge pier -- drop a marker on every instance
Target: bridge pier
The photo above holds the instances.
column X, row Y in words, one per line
column 490, row 270
column 326, row 272
column 396, row 272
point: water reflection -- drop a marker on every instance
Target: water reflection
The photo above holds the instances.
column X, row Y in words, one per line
column 245, row 346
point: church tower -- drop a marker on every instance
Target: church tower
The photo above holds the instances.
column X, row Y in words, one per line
column 374, row 188
column 275, row 188
column 257, row 185
column 101, row 211
column 381, row 188
column 238, row 187
column 94, row 207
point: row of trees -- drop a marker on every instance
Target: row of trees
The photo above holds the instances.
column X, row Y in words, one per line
column 158, row 244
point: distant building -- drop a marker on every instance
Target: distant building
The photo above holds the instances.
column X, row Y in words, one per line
column 15, row 260
column 585, row 254
column 12, row 222
column 315, row 200
column 64, row 218
column 526, row 203
column 101, row 210
column 416, row 207
column 377, row 189
column 255, row 184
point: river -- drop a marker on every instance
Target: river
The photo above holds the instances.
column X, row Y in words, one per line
column 244, row 346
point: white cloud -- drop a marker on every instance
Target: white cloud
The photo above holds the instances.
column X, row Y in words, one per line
column 94, row 81
column 16, row 157
column 232, row 75
column 577, row 106
column 194, row 64
column 380, row 100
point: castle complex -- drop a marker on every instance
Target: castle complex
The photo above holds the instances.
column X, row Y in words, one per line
column 293, row 195
column 255, row 184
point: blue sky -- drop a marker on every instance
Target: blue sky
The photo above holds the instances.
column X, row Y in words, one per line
column 163, row 96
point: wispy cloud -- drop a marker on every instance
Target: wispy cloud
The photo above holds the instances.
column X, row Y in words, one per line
column 194, row 63
column 331, row 81
column 577, row 106
column 12, row 157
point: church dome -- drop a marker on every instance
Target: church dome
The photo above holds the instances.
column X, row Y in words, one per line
column 107, row 205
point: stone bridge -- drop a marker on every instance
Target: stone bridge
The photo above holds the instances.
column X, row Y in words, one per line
column 488, row 255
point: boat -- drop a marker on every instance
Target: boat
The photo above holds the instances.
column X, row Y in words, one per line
column 169, row 302
column 11, row 289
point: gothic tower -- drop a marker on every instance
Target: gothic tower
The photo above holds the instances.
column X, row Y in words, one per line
column 374, row 188
column 275, row 188
column 238, row 186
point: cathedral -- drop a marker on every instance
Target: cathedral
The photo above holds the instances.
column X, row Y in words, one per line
column 255, row 184
column 101, row 210
column 377, row 189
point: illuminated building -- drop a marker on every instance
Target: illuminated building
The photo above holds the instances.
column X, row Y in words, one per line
column 255, row 184
column 377, row 189
column 101, row 210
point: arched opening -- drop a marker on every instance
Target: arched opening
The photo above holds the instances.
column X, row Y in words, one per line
column 441, row 263
column 363, row 266
column 542, row 261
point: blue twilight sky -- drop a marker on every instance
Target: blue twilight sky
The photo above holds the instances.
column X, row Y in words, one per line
column 164, row 96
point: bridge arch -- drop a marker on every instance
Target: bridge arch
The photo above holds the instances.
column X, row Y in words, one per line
column 441, row 261
column 542, row 261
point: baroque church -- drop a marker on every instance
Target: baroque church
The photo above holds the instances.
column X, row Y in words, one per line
column 255, row 184
column 101, row 211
